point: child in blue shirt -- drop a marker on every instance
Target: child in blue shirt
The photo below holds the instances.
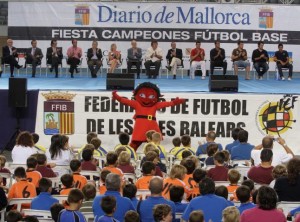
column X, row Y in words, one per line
column 108, row 205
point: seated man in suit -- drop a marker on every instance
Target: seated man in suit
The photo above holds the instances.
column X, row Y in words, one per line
column 134, row 55
column 9, row 56
column 175, row 58
column 217, row 56
column 153, row 57
column 94, row 56
column 34, row 56
column 54, row 56
column 74, row 54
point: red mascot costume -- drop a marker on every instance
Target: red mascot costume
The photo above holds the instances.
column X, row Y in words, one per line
column 145, row 104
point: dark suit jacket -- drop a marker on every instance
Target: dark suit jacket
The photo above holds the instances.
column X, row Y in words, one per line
column 137, row 56
column 6, row 53
column 178, row 55
column 90, row 53
column 49, row 54
column 38, row 54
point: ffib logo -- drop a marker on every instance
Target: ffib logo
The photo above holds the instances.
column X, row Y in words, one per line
column 266, row 17
column 82, row 15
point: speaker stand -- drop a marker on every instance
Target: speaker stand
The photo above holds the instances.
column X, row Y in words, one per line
column 12, row 141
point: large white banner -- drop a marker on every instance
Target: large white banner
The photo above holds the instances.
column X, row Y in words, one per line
column 111, row 22
column 77, row 113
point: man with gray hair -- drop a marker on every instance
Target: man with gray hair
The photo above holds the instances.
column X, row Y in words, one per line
column 144, row 207
column 113, row 186
column 280, row 156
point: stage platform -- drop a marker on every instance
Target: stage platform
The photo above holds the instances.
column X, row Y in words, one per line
column 64, row 82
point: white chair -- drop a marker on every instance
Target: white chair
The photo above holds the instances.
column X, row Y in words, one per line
column 178, row 216
column 287, row 206
column 208, row 167
column 2, row 213
column 236, row 203
column 179, row 67
column 88, row 216
column 202, row 156
column 29, row 66
column 19, row 202
column 222, row 183
column 142, row 193
column 55, row 181
column 90, row 174
column 61, row 198
column 8, row 177
column 283, row 69
column 119, row 66
column 243, row 170
column 130, row 177
column 45, row 220
column 239, row 162
column 38, row 213
column 13, row 166
column 78, row 66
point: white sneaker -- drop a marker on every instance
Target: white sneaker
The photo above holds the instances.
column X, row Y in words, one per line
column 282, row 78
column 260, row 78
column 289, row 78
column 203, row 77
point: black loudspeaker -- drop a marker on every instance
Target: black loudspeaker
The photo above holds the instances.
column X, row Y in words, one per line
column 17, row 92
column 120, row 81
column 223, row 83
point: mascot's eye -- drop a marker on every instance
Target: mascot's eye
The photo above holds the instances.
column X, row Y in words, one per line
column 142, row 95
column 151, row 97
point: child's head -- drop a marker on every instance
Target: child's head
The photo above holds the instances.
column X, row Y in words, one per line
column 20, row 173
column 196, row 216
column 186, row 140
column 45, row 185
column 35, row 137
column 176, row 141
column 2, row 161
column 75, row 198
column 148, row 168
column 13, row 216
column 31, row 162
column 162, row 212
column 90, row 136
column 55, row 209
column 231, row 214
column 129, row 191
column 124, row 158
column 111, row 158
column 132, row 216
column 279, row 171
column 104, row 174
column 149, row 147
column 120, row 150
column 96, row 142
column 87, row 154
column 67, row 180
column 212, row 148
column 254, row 195
column 152, row 156
column 41, row 159
column 221, row 191
column 89, row 146
column 156, row 138
column 30, row 219
column 89, row 191
column 75, row 165
column 233, row 176
column 189, row 165
column 249, row 183
column 243, row 194
column 219, row 158
column 185, row 154
column 108, row 204
column 199, row 174
column 176, row 193
column 178, row 172
column 211, row 136
column 124, row 138
column 149, row 135
column 227, row 155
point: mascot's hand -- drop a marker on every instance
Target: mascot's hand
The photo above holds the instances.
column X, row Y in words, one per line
column 178, row 101
column 115, row 95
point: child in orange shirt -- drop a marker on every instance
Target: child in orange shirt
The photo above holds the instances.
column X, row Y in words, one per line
column 190, row 166
column 148, row 170
column 233, row 177
column 79, row 180
column 33, row 176
column 177, row 174
column 68, row 182
column 103, row 175
column 111, row 161
column 22, row 188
